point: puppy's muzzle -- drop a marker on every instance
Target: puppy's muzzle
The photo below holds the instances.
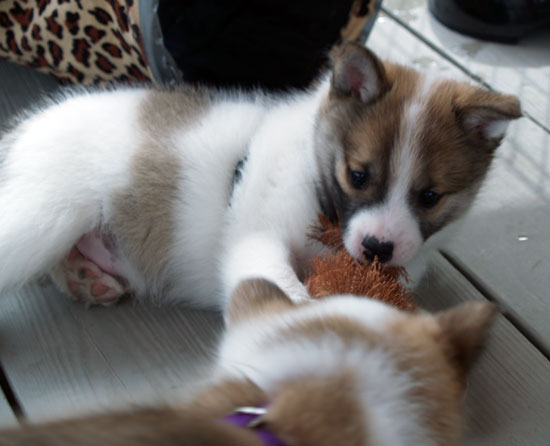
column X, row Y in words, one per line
column 375, row 248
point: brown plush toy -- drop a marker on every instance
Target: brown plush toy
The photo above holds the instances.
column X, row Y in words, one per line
column 337, row 272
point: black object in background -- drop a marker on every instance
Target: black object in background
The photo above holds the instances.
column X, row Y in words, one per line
column 276, row 44
column 498, row 20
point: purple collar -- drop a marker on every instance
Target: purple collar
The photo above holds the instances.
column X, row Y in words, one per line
column 251, row 418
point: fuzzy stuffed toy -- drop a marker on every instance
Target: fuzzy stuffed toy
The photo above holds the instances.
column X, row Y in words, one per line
column 336, row 272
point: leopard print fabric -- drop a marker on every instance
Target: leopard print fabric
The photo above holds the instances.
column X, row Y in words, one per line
column 78, row 41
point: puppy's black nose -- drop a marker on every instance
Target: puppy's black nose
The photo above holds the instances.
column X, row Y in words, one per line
column 375, row 248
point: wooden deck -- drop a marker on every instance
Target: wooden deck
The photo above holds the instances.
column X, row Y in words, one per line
column 59, row 359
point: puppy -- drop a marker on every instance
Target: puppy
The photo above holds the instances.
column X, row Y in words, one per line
column 154, row 192
column 339, row 371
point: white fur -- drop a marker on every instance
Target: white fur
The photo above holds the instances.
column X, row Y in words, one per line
column 272, row 211
column 259, row 352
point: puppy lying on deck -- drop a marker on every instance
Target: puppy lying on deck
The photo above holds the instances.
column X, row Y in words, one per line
column 179, row 195
column 338, row 371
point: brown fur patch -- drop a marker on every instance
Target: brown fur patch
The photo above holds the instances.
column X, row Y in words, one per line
column 454, row 160
column 223, row 398
column 143, row 220
column 257, row 297
column 197, row 424
column 438, row 352
column 143, row 217
column 464, row 330
column 318, row 411
column 154, row 427
column 451, row 161
column 346, row 329
column 438, row 386
column 165, row 110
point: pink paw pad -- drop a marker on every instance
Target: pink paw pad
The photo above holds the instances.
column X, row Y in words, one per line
column 86, row 281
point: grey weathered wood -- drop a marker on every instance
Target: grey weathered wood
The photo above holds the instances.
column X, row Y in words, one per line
column 20, row 88
column 508, row 393
column 7, row 417
column 490, row 244
column 63, row 360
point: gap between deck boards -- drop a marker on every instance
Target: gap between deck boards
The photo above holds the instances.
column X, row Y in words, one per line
column 11, row 397
column 490, row 296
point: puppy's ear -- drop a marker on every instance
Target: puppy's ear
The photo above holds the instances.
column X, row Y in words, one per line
column 464, row 330
column 358, row 73
column 256, row 297
column 486, row 117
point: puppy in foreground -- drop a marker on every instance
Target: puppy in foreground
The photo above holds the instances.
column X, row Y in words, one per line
column 337, row 371
column 154, row 193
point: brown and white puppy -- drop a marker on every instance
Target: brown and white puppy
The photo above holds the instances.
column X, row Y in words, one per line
column 339, row 371
column 179, row 195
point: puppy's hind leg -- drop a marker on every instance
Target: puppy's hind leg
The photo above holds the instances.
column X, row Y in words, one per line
column 59, row 169
column 84, row 280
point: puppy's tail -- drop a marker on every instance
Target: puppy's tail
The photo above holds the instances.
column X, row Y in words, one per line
column 55, row 177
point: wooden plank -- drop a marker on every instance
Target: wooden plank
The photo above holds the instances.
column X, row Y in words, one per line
column 509, row 388
column 63, row 360
column 50, row 360
column 19, row 88
column 504, row 242
column 171, row 348
column 523, row 69
column 7, row 417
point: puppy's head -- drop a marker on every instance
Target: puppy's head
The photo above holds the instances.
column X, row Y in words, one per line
column 402, row 154
column 348, row 370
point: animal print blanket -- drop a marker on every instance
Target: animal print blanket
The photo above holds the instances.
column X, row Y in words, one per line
column 78, row 41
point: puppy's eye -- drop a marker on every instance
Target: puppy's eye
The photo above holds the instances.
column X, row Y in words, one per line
column 358, row 179
column 428, row 198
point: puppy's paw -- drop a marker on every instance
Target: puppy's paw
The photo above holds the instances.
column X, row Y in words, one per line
column 297, row 292
column 86, row 282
